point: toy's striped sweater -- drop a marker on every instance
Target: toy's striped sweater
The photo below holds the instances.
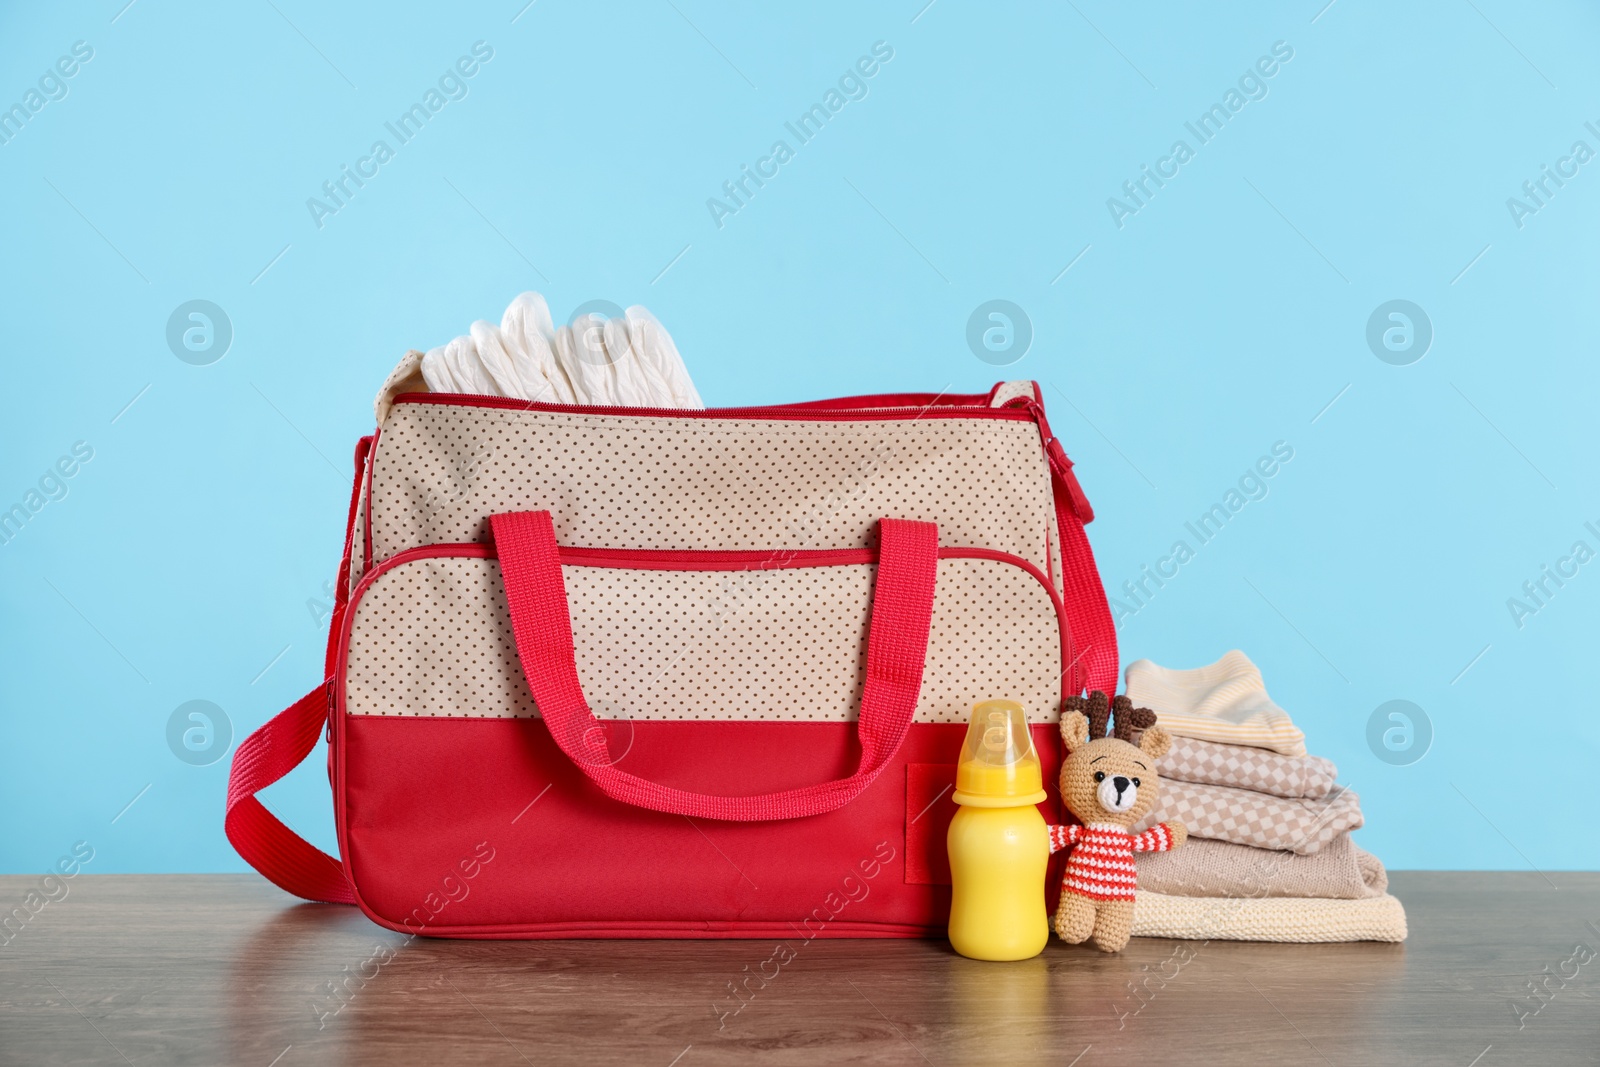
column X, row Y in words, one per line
column 1100, row 865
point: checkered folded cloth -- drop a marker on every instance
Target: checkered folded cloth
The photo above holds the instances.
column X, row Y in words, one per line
column 1205, row 868
column 1209, row 763
column 1302, row 825
column 1292, row 919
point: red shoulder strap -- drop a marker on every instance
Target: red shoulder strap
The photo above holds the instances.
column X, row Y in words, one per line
column 1092, row 632
column 283, row 856
column 264, row 842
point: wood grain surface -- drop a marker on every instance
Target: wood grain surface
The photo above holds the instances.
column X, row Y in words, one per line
column 225, row 969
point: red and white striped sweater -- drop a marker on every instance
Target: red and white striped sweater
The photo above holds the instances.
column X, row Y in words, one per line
column 1100, row 865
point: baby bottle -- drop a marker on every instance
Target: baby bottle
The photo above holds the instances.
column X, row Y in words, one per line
column 999, row 845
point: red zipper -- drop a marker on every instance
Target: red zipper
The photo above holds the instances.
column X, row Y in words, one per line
column 931, row 408
column 899, row 400
column 655, row 559
column 685, row 559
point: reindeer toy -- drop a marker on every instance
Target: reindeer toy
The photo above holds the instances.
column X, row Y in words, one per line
column 1109, row 784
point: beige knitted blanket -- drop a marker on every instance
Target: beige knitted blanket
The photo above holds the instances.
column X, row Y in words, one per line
column 1203, row 868
column 1241, row 767
column 1268, row 919
column 1244, row 817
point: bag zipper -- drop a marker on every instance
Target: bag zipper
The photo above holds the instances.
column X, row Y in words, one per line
column 962, row 407
column 691, row 559
column 671, row 559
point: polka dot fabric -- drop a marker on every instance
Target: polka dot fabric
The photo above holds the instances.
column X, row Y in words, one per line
column 358, row 526
column 432, row 637
column 626, row 481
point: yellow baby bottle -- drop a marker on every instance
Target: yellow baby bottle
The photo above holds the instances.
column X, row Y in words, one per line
column 999, row 844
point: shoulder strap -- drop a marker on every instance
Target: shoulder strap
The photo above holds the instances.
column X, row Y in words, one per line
column 283, row 856
column 1092, row 633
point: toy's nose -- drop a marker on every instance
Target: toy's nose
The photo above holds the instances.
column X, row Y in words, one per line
column 1121, row 783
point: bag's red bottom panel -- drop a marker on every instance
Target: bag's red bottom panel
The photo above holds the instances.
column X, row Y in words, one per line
column 482, row 828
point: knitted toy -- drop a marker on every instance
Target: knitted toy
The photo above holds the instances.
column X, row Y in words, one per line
column 1109, row 784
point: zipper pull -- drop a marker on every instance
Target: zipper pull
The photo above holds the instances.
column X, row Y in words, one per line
column 1056, row 456
column 1063, row 468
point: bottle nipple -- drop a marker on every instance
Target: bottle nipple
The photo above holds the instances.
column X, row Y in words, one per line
column 998, row 766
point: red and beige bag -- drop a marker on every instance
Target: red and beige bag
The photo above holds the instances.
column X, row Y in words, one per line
column 611, row 672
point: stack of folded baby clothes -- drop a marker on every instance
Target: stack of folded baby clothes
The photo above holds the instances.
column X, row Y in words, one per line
column 1269, row 855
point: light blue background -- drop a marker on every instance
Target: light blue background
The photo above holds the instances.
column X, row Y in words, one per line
column 1223, row 317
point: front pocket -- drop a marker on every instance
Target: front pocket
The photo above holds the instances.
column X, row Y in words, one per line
column 929, row 810
column 766, row 636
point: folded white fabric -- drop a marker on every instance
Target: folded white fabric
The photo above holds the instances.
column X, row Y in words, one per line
column 1294, row 919
column 1225, row 702
column 626, row 362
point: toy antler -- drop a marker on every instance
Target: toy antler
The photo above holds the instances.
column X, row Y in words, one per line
column 1099, row 714
column 1130, row 719
column 1099, row 710
column 1096, row 708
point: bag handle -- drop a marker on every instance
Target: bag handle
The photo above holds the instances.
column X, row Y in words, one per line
column 897, row 645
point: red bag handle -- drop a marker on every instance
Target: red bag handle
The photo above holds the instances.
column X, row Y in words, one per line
column 897, row 645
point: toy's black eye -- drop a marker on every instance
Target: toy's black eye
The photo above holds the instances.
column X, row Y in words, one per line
column 1136, row 781
column 1099, row 776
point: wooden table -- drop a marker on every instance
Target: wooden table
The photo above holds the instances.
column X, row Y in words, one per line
column 222, row 969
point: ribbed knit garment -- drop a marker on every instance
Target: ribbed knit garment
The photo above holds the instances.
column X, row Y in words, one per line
column 1203, row 868
column 1100, row 865
column 1290, row 919
column 1225, row 702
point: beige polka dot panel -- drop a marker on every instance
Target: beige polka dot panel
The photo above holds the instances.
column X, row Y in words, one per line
column 432, row 637
column 623, row 481
column 358, row 529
